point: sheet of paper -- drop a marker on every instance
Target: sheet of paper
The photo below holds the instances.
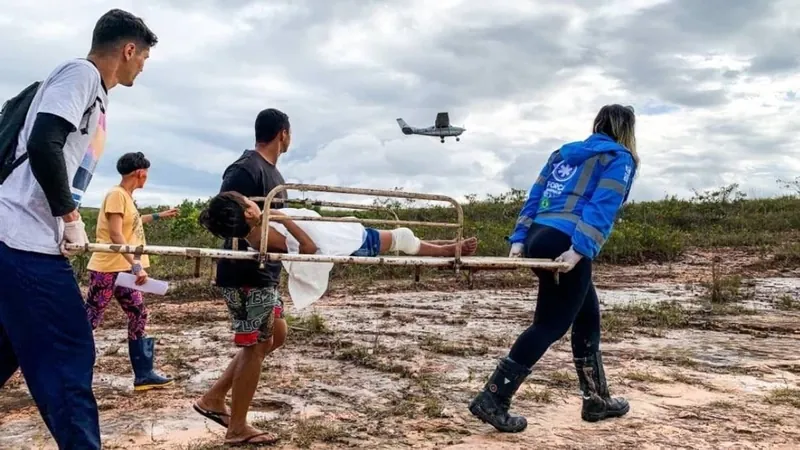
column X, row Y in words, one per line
column 128, row 280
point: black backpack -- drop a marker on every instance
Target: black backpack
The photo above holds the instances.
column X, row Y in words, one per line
column 12, row 119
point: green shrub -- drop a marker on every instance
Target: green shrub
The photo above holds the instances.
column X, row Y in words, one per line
column 632, row 243
column 648, row 231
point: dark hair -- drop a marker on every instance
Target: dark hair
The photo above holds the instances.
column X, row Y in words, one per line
column 224, row 216
column 130, row 162
column 117, row 25
column 269, row 123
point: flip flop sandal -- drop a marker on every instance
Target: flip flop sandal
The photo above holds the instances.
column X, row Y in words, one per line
column 249, row 440
column 211, row 415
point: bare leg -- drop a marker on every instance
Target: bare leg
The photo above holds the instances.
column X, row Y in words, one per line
column 279, row 332
column 245, row 381
column 247, row 307
column 468, row 247
column 432, row 248
column 386, row 240
column 214, row 399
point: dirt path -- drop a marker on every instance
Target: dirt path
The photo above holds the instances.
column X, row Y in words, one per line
column 396, row 370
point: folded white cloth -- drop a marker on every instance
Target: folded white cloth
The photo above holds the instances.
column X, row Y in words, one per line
column 308, row 281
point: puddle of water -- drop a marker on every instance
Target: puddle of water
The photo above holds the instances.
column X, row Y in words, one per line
column 464, row 301
column 647, row 293
column 724, row 352
column 787, row 285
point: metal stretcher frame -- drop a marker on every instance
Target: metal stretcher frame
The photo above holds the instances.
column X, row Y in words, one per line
column 268, row 200
column 315, row 203
column 263, row 256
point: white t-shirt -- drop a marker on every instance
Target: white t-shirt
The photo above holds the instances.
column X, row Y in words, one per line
column 308, row 281
column 75, row 92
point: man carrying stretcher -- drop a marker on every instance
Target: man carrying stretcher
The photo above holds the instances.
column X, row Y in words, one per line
column 231, row 215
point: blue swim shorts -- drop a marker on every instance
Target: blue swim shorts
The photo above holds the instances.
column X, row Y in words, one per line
column 371, row 245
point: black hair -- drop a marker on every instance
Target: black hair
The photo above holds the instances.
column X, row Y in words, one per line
column 117, row 25
column 130, row 162
column 269, row 123
column 224, row 216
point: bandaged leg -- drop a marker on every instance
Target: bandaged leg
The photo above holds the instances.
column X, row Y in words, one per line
column 403, row 240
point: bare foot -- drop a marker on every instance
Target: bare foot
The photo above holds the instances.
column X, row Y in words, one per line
column 250, row 436
column 469, row 246
column 215, row 411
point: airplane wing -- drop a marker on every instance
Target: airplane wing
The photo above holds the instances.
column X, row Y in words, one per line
column 442, row 120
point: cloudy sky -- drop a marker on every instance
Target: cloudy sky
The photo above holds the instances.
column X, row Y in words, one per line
column 715, row 84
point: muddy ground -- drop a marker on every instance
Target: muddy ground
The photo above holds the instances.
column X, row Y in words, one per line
column 394, row 366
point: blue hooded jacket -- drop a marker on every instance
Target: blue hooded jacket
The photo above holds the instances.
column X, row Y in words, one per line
column 579, row 192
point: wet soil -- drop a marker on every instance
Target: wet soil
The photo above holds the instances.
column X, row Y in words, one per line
column 393, row 365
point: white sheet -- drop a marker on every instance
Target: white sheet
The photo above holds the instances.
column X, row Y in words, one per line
column 308, row 281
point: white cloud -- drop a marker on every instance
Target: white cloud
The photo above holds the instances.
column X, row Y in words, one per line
column 711, row 82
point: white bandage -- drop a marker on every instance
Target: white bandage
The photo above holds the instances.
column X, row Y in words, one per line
column 404, row 240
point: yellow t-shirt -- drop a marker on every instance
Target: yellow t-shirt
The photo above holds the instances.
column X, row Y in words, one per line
column 118, row 201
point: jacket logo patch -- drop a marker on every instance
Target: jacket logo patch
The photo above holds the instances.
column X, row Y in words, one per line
column 562, row 172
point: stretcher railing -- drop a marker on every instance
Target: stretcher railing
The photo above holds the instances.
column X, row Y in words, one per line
column 456, row 262
column 268, row 200
column 478, row 262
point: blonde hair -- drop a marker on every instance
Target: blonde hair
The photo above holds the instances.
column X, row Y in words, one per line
column 618, row 122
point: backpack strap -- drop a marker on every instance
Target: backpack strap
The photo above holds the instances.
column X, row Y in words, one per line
column 18, row 162
column 24, row 156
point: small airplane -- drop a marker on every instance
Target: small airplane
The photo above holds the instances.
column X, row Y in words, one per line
column 441, row 128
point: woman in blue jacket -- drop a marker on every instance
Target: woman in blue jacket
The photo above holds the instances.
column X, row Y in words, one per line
column 568, row 216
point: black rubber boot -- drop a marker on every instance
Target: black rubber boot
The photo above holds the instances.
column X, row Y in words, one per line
column 597, row 402
column 492, row 404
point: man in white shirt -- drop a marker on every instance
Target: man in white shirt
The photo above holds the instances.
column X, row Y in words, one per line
column 43, row 325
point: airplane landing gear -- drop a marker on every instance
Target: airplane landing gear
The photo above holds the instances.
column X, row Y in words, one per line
column 442, row 141
column 458, row 139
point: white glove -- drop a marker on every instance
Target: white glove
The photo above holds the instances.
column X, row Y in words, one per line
column 74, row 233
column 516, row 250
column 570, row 257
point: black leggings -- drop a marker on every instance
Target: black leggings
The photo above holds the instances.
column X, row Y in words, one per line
column 573, row 301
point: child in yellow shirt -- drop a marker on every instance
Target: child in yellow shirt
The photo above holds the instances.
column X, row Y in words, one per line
column 119, row 222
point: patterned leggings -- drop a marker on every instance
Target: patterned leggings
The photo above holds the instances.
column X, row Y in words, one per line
column 101, row 289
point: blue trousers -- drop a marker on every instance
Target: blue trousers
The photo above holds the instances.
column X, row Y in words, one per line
column 45, row 333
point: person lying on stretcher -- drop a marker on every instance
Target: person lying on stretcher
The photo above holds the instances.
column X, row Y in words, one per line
column 232, row 215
